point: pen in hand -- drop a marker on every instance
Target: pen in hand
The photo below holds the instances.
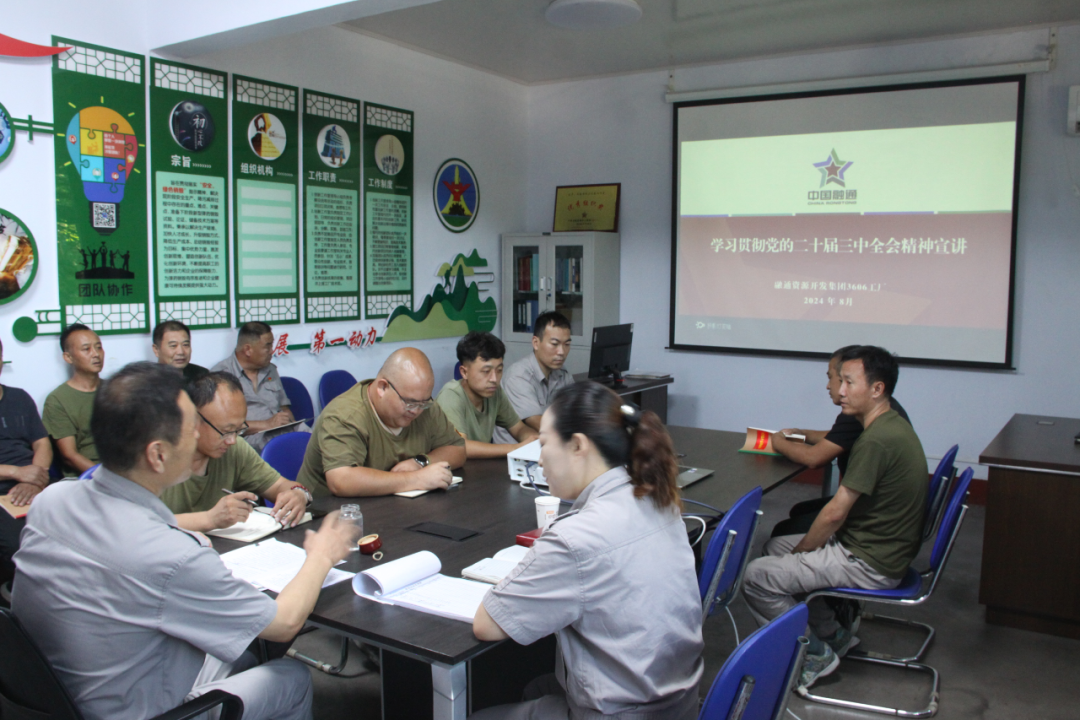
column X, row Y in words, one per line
column 249, row 501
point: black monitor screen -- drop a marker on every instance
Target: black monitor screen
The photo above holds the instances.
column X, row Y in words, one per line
column 610, row 353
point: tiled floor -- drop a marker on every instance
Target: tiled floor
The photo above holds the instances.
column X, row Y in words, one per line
column 987, row 672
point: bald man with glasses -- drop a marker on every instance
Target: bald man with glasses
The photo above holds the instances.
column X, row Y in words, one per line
column 222, row 463
column 384, row 435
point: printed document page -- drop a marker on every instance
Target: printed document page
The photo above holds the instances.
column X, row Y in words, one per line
column 272, row 564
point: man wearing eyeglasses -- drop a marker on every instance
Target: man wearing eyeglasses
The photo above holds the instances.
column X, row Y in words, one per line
column 222, row 463
column 384, row 436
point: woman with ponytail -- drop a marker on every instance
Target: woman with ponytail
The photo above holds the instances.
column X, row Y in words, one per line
column 613, row 577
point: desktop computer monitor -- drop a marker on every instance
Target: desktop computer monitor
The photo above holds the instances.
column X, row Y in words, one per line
column 610, row 355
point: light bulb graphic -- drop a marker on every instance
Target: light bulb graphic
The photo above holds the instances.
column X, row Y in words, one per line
column 103, row 148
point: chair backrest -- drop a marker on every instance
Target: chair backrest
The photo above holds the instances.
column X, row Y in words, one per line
column 457, row 371
column 29, row 689
column 950, row 522
column 299, row 398
column 938, row 491
column 725, row 558
column 85, row 476
column 771, row 657
column 332, row 384
column 285, row 453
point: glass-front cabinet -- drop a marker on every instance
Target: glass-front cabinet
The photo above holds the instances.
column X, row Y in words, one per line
column 576, row 274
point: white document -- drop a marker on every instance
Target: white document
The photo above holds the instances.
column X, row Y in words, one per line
column 258, row 525
column 493, row 570
column 414, row 582
column 272, row 564
column 418, row 493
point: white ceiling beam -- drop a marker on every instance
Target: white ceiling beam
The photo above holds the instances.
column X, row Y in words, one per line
column 204, row 26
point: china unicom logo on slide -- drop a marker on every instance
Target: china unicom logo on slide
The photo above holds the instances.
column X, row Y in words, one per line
column 832, row 169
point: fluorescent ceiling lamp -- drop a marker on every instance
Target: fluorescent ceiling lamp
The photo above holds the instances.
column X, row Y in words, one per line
column 593, row 14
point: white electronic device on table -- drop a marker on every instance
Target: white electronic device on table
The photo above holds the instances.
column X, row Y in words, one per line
column 525, row 461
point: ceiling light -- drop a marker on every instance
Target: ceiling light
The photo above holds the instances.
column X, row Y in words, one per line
column 593, row 14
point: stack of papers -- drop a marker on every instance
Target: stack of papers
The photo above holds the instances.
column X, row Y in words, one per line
column 414, row 582
column 272, row 564
column 493, row 570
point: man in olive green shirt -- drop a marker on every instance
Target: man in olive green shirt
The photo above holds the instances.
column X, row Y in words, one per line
column 222, row 463
column 68, row 408
column 476, row 404
column 871, row 530
column 384, row 436
column 172, row 346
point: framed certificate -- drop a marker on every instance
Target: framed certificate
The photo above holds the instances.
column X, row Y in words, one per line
column 587, row 207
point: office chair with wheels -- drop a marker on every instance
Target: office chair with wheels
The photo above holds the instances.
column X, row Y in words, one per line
column 729, row 548
column 85, row 476
column 909, row 592
column 299, row 399
column 31, row 690
column 756, row 680
column 332, row 384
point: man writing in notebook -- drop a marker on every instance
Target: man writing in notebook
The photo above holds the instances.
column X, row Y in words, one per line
column 384, row 436
column 136, row 615
column 267, row 403
column 868, row 533
column 67, row 409
column 476, row 404
column 531, row 382
column 222, row 463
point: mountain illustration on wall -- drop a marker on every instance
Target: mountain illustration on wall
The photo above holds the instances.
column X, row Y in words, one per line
column 453, row 308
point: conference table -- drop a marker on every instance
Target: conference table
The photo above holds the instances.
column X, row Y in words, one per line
column 417, row 646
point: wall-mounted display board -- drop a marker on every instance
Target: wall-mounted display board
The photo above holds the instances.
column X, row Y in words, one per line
column 266, row 142
column 18, row 257
column 99, row 110
column 189, row 121
column 331, row 183
column 388, row 195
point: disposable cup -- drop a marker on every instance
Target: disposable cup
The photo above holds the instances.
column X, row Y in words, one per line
column 547, row 507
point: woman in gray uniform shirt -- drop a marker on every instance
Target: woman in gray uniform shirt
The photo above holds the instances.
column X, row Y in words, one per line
column 613, row 577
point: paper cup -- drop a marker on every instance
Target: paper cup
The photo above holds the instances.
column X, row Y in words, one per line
column 547, row 507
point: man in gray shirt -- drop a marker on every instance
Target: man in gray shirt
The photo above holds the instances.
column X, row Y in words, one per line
column 531, row 382
column 134, row 614
column 267, row 403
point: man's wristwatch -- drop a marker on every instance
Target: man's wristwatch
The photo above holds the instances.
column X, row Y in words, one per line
column 422, row 460
column 307, row 493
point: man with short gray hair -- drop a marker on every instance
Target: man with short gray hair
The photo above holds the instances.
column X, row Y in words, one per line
column 135, row 614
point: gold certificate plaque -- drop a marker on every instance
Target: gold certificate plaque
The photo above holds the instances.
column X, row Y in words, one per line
column 587, row 207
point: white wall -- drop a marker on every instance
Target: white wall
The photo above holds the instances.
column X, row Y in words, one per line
column 459, row 112
column 619, row 130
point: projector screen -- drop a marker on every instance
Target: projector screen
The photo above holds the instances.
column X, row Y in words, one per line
column 882, row 216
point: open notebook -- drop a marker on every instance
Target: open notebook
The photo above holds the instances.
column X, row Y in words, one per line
column 494, row 569
column 258, row 525
column 418, row 493
column 414, row 582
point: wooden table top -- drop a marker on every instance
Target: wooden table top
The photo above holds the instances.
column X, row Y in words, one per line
column 488, row 501
column 1036, row 441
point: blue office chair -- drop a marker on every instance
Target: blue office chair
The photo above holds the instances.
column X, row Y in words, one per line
column 938, row 490
column 909, row 592
column 457, row 371
column 285, row 453
column 89, row 471
column 299, row 399
column 725, row 558
column 756, row 680
column 332, row 384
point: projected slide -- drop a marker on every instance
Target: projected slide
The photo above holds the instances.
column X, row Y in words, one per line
column 895, row 228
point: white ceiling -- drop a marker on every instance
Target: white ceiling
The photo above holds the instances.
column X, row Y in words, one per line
column 512, row 39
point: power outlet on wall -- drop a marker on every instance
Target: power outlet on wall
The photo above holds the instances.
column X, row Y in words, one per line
column 1074, row 110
